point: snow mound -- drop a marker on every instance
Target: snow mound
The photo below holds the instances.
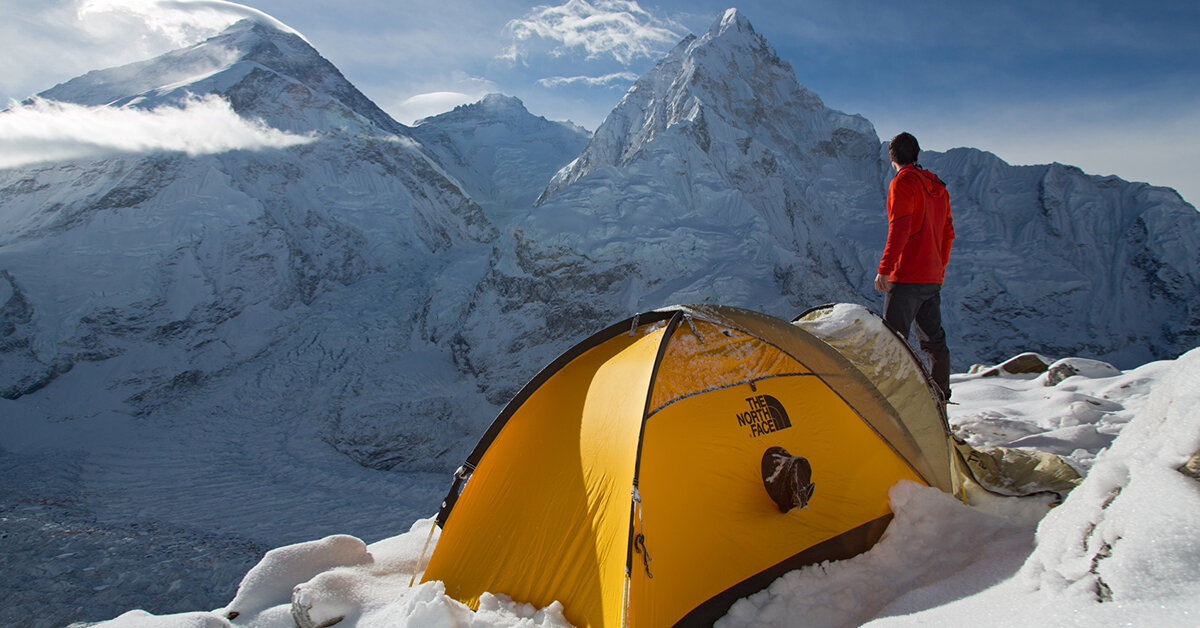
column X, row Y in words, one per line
column 1124, row 548
column 934, row 540
column 271, row 581
column 1129, row 533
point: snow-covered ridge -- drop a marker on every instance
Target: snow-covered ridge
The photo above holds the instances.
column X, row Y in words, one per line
column 265, row 72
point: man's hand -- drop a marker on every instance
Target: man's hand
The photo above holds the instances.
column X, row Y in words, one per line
column 882, row 284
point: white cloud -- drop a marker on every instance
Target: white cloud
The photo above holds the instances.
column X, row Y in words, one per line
column 45, row 131
column 591, row 81
column 50, row 41
column 181, row 21
column 619, row 29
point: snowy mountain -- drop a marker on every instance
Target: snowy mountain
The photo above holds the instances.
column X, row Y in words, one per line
column 720, row 178
column 329, row 322
column 185, row 269
column 186, row 338
column 1074, row 263
column 265, row 72
column 500, row 153
column 196, row 331
column 716, row 179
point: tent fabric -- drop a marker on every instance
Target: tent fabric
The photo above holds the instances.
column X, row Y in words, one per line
column 888, row 361
column 626, row 480
column 890, row 364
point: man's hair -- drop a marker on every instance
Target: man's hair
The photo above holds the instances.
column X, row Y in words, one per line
column 904, row 149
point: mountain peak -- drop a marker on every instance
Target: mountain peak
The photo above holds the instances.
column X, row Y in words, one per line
column 263, row 23
column 492, row 107
column 727, row 87
column 235, row 64
column 747, row 50
column 502, row 103
column 497, row 109
column 734, row 20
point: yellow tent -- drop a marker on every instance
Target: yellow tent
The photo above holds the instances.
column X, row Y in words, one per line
column 677, row 462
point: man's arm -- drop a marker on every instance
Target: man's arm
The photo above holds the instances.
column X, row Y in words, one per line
column 902, row 200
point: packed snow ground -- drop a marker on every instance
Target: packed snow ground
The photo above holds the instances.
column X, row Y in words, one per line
column 1123, row 549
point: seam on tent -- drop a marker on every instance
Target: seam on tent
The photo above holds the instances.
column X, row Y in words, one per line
column 883, row 401
column 855, row 409
column 733, row 324
column 549, row 371
column 676, row 317
column 872, row 427
column 741, row 382
column 528, row 389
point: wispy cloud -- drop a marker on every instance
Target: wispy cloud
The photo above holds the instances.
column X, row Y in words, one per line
column 49, row 41
column 180, row 21
column 619, row 78
column 620, row 29
column 43, row 131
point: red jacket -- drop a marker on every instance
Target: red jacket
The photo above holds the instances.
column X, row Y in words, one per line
column 920, row 228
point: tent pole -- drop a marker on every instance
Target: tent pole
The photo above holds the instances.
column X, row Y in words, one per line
column 422, row 558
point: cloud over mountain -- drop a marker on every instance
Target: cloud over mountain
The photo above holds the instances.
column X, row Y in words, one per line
column 620, row 29
column 44, row 130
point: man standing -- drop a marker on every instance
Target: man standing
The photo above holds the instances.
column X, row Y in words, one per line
column 913, row 266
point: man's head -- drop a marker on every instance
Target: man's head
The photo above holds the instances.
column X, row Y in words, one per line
column 904, row 149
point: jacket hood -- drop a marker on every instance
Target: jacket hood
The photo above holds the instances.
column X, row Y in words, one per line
column 929, row 181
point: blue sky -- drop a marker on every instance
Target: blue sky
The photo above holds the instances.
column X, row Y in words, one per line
column 1113, row 87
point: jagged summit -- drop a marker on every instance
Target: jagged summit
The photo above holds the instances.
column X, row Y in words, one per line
column 501, row 102
column 492, row 106
column 265, row 70
column 732, row 21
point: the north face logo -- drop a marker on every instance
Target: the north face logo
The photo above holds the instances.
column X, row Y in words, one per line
column 765, row 415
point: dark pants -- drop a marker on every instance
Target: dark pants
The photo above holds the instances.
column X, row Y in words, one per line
column 921, row 303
